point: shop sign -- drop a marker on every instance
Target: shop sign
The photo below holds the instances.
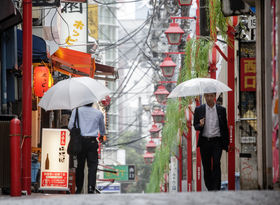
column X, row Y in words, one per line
column 111, row 188
column 74, row 27
column 248, row 74
column 46, row 3
column 173, row 175
column 41, row 80
column 54, row 159
column 124, row 173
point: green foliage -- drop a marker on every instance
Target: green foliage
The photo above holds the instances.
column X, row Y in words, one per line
column 201, row 56
column 169, row 144
column 217, row 20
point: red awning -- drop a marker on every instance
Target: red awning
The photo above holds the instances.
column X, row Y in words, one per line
column 76, row 63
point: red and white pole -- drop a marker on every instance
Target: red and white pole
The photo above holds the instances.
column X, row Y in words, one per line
column 27, row 95
column 15, row 134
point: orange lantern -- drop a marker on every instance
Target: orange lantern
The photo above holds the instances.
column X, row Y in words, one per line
column 41, row 80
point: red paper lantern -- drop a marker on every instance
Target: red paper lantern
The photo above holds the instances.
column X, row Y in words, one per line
column 41, row 80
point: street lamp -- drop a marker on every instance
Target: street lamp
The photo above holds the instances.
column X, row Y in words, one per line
column 167, row 67
column 148, row 158
column 174, row 33
column 158, row 116
column 185, row 2
column 161, row 94
column 151, row 147
column 154, row 131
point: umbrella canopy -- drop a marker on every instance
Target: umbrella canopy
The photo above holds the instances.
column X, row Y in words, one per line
column 198, row 86
column 73, row 92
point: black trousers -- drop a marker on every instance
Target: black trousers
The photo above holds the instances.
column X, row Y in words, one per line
column 89, row 153
column 211, row 152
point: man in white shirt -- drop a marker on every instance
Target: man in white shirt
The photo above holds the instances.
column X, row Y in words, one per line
column 211, row 120
column 91, row 122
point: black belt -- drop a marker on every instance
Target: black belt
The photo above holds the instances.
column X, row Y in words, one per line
column 90, row 137
column 211, row 138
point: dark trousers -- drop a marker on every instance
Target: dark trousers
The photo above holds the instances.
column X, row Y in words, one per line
column 89, row 153
column 211, row 152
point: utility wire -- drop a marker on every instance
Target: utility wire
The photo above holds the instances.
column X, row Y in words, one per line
column 129, row 142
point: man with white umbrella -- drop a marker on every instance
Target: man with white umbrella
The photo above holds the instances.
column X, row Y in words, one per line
column 91, row 122
column 211, row 120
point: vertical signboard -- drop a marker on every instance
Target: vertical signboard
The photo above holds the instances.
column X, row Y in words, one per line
column 54, row 159
column 173, row 175
column 248, row 117
column 74, row 25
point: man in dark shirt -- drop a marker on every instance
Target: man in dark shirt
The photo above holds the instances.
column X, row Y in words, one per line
column 211, row 120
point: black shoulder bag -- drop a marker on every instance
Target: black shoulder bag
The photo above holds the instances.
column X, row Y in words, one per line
column 75, row 144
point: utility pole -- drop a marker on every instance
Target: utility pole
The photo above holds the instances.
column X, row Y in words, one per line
column 139, row 117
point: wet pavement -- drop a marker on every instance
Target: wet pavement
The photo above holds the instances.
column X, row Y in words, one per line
column 189, row 198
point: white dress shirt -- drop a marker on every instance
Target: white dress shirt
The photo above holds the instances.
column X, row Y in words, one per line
column 91, row 121
column 211, row 124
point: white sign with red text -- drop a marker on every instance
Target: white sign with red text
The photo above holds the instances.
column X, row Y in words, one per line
column 54, row 159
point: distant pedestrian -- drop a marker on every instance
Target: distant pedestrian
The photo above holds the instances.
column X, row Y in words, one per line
column 91, row 122
column 211, row 120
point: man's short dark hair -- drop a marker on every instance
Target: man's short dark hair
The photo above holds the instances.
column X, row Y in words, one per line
column 89, row 105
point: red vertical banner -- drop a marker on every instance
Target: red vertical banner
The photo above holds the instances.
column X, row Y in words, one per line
column 248, row 74
column 231, row 108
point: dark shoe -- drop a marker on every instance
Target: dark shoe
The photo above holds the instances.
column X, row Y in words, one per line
column 91, row 190
column 78, row 191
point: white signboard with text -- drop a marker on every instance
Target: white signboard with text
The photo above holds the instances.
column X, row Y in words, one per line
column 74, row 25
column 173, row 175
column 54, row 159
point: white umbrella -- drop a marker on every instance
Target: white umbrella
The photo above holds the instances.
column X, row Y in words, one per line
column 73, row 92
column 198, row 86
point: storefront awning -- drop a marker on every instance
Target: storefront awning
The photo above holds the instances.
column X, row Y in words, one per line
column 76, row 63
column 39, row 48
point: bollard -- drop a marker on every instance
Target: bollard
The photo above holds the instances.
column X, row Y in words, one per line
column 15, row 162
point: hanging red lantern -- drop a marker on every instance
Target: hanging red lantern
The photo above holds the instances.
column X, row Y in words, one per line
column 185, row 2
column 167, row 67
column 41, row 80
column 161, row 94
column 158, row 116
column 148, row 158
column 151, row 146
column 154, row 131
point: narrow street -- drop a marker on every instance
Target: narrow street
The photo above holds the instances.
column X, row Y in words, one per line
column 222, row 197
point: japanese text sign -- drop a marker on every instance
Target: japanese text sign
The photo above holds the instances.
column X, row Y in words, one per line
column 248, row 74
column 55, row 160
